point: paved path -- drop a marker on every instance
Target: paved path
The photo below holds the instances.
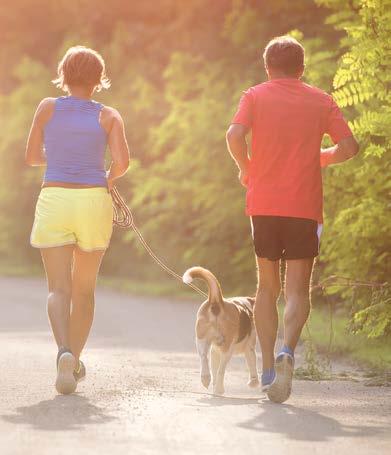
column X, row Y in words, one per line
column 143, row 394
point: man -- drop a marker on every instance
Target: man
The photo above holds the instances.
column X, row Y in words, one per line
column 287, row 119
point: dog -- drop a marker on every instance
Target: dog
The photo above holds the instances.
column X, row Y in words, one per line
column 224, row 327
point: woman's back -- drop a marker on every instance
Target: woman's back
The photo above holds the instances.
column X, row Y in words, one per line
column 75, row 143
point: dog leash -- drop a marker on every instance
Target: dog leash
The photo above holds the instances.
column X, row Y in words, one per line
column 124, row 219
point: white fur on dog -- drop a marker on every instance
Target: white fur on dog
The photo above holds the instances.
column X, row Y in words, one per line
column 187, row 278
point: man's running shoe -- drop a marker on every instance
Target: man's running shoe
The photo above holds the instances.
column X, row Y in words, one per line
column 65, row 382
column 280, row 390
column 267, row 378
column 80, row 372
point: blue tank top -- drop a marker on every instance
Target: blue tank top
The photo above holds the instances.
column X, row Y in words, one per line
column 75, row 143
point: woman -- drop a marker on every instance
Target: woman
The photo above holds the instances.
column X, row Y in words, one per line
column 73, row 218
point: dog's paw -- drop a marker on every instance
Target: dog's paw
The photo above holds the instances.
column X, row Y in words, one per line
column 218, row 391
column 205, row 379
column 253, row 382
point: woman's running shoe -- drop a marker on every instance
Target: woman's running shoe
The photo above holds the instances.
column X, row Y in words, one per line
column 66, row 362
column 80, row 372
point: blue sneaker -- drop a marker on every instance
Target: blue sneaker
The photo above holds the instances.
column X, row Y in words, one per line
column 267, row 379
column 280, row 389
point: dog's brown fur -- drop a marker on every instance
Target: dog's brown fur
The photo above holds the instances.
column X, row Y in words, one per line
column 224, row 327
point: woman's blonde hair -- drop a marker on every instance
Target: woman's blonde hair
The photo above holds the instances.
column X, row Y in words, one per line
column 81, row 66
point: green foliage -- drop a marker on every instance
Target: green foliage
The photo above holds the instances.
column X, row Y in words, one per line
column 357, row 194
column 375, row 319
column 372, row 352
column 178, row 70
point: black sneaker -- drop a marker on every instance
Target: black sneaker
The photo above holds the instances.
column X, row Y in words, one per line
column 80, row 372
column 65, row 381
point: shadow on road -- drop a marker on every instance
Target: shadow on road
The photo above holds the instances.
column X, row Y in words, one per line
column 59, row 414
column 305, row 424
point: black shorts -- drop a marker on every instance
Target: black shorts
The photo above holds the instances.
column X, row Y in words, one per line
column 281, row 237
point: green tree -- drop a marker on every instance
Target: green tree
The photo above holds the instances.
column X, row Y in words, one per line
column 357, row 194
column 190, row 187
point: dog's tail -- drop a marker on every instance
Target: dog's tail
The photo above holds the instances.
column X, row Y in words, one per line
column 215, row 294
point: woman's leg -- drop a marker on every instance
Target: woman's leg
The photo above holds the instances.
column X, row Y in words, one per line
column 58, row 267
column 85, row 270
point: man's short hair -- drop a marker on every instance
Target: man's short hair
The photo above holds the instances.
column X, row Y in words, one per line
column 284, row 54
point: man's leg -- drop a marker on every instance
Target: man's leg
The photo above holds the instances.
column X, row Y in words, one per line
column 297, row 296
column 265, row 312
column 297, row 308
column 85, row 270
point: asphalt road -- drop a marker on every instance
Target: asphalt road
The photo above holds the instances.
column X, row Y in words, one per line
column 143, row 394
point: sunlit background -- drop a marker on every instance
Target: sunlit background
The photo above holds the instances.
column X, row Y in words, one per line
column 177, row 70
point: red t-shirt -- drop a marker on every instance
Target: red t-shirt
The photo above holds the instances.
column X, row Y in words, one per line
column 288, row 120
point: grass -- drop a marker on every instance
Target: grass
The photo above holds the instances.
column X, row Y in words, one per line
column 169, row 288
column 370, row 352
column 18, row 270
column 164, row 286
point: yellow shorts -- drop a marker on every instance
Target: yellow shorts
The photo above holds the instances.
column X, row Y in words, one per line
column 66, row 216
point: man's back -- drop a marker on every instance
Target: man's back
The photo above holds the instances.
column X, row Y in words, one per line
column 288, row 120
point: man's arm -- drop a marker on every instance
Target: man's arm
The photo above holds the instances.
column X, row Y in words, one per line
column 345, row 149
column 237, row 147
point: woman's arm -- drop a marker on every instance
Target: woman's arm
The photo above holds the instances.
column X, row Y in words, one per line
column 34, row 151
column 114, row 125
